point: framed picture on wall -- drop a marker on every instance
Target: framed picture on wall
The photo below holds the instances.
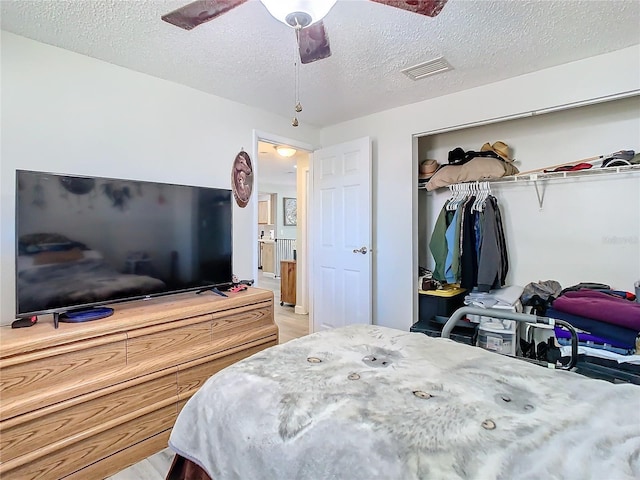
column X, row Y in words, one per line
column 290, row 208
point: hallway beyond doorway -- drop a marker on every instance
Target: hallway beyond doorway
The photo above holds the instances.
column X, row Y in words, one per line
column 290, row 324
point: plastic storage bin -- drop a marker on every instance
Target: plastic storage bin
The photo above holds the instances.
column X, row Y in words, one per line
column 516, row 308
column 498, row 336
column 442, row 303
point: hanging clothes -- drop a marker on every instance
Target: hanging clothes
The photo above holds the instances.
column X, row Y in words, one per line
column 452, row 235
column 438, row 243
column 503, row 245
column 492, row 262
column 470, row 246
column 468, row 242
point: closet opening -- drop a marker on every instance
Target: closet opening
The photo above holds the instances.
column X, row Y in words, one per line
column 574, row 234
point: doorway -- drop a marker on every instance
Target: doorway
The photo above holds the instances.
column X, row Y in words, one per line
column 281, row 229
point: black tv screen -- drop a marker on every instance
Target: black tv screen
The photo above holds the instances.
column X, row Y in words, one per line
column 88, row 241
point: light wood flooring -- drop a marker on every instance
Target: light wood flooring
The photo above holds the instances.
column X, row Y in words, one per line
column 290, row 325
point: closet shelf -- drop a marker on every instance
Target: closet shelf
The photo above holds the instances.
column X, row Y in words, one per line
column 533, row 177
column 539, row 176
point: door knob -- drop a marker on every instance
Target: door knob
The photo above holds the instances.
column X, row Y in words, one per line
column 361, row 250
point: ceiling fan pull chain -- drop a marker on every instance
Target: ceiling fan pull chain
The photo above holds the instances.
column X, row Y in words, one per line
column 297, row 58
column 296, row 65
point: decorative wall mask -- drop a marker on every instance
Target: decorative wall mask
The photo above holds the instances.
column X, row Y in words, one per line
column 242, row 178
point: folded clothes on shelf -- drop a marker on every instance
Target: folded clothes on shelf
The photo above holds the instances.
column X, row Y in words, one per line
column 506, row 296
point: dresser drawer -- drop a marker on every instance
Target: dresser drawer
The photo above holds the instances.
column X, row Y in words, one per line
column 169, row 344
column 242, row 321
column 67, row 460
column 123, row 458
column 47, row 429
column 41, row 378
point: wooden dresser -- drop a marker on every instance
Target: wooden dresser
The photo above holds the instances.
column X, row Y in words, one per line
column 89, row 399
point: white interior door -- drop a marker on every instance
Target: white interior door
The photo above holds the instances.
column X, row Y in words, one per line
column 341, row 282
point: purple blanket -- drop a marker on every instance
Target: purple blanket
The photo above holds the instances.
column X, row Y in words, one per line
column 600, row 306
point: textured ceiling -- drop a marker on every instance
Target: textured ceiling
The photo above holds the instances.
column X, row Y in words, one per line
column 247, row 56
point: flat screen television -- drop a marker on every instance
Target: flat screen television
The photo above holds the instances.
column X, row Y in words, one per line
column 83, row 242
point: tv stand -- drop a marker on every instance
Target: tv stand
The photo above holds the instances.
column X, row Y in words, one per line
column 90, row 399
column 82, row 315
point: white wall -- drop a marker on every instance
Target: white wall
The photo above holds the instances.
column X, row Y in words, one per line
column 395, row 165
column 64, row 112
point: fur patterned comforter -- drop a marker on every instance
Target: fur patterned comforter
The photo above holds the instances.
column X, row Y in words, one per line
column 367, row 402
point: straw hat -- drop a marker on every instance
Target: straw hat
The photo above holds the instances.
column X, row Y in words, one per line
column 427, row 168
column 501, row 148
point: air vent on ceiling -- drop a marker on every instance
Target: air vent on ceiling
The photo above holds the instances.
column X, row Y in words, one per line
column 425, row 69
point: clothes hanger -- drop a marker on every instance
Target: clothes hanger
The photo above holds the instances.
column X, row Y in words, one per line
column 478, row 205
column 454, row 199
column 487, row 193
column 464, row 190
column 448, row 200
column 474, row 193
column 452, row 192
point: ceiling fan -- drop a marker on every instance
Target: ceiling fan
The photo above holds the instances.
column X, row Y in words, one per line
column 303, row 15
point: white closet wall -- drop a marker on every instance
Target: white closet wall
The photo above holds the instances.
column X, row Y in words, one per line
column 588, row 228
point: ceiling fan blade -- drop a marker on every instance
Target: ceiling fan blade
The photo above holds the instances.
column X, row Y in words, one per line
column 313, row 43
column 430, row 8
column 199, row 12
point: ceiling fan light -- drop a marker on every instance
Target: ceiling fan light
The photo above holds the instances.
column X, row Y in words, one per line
column 283, row 9
column 286, row 151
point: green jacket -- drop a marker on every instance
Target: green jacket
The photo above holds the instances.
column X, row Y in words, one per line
column 438, row 244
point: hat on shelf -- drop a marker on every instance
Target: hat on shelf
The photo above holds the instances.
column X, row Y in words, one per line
column 615, row 162
column 499, row 148
column 457, row 155
column 427, row 168
column 621, row 158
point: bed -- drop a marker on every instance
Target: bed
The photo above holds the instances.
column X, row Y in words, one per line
column 369, row 402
